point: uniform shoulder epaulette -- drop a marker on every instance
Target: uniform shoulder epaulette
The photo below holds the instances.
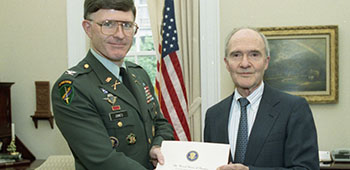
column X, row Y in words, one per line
column 65, row 83
column 77, row 70
column 132, row 65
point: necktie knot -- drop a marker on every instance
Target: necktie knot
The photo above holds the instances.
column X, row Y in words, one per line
column 122, row 71
column 243, row 102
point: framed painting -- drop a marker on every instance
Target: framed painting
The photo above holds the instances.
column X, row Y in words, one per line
column 304, row 61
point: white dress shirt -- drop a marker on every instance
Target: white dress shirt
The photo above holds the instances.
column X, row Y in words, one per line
column 235, row 114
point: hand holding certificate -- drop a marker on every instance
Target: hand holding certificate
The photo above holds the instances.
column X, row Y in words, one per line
column 179, row 155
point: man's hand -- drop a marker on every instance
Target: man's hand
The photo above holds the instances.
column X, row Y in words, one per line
column 233, row 167
column 156, row 155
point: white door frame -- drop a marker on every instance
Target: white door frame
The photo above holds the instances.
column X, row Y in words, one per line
column 75, row 33
column 209, row 54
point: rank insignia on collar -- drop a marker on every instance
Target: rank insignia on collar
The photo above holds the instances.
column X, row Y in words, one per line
column 70, row 72
column 66, row 91
column 131, row 139
column 108, row 79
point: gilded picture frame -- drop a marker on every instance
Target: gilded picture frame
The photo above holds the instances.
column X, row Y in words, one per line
column 304, row 61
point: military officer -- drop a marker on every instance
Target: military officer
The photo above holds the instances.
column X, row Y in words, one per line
column 105, row 107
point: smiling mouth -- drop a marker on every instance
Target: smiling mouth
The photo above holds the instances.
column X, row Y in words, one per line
column 245, row 73
column 116, row 44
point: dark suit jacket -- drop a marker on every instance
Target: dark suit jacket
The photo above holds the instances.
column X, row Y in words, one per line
column 90, row 121
column 283, row 135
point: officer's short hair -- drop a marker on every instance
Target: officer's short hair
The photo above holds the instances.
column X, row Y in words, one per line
column 91, row 6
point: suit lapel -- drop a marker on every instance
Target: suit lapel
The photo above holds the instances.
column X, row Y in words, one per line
column 226, row 118
column 138, row 89
column 223, row 120
column 110, row 83
column 264, row 121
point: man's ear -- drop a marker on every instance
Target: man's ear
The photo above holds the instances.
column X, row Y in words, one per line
column 87, row 28
column 267, row 62
column 227, row 64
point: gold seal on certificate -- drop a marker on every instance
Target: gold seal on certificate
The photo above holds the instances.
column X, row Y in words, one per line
column 192, row 155
column 180, row 155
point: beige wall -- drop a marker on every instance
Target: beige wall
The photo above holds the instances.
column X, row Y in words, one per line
column 332, row 120
column 33, row 48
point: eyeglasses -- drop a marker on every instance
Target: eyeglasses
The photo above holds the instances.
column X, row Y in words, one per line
column 110, row 27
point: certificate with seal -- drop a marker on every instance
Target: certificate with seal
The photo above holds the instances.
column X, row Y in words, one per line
column 180, row 155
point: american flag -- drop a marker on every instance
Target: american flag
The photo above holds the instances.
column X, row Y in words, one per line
column 170, row 85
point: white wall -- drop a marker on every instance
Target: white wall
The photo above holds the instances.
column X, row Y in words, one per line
column 33, row 48
column 332, row 120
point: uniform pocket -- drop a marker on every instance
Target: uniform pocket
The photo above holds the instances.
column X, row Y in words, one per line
column 118, row 124
column 123, row 130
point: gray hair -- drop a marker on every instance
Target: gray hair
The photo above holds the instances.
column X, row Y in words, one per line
column 267, row 48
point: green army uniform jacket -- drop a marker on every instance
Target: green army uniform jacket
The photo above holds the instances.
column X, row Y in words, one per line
column 106, row 127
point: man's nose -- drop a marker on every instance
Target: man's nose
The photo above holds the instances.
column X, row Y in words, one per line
column 245, row 62
column 119, row 32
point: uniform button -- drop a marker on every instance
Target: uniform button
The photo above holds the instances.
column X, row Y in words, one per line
column 120, row 124
column 86, row 66
column 149, row 140
column 153, row 131
column 156, row 112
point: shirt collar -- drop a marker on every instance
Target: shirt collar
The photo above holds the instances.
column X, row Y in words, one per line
column 253, row 97
column 113, row 68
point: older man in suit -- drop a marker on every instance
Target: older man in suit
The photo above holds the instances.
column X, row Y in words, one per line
column 266, row 128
